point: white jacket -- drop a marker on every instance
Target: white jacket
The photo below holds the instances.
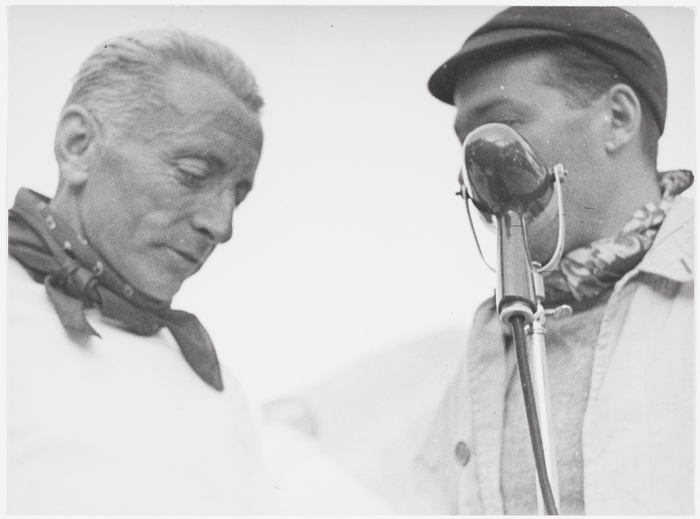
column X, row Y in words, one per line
column 119, row 424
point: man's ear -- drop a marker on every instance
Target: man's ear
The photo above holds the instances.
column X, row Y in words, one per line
column 75, row 145
column 625, row 117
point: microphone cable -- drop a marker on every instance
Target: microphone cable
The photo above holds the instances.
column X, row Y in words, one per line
column 517, row 323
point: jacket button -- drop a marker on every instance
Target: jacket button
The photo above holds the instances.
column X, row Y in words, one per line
column 462, row 453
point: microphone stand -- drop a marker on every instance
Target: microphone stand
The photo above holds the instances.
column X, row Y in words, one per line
column 533, row 354
column 497, row 157
column 535, row 337
column 516, row 308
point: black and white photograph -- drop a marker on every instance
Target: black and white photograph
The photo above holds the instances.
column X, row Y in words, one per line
column 350, row 260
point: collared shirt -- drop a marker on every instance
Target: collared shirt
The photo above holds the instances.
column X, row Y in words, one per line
column 118, row 424
column 638, row 427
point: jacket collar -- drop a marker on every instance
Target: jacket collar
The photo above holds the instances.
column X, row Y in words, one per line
column 671, row 255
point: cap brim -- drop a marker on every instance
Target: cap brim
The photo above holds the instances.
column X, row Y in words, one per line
column 476, row 51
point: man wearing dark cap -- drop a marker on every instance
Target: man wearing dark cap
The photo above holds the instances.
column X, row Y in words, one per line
column 116, row 403
column 586, row 87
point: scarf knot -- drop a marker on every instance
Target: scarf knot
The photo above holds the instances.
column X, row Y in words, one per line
column 75, row 280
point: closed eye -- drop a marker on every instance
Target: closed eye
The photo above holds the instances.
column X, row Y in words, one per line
column 192, row 171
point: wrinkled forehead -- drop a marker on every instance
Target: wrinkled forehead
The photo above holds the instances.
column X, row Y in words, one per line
column 190, row 106
column 193, row 95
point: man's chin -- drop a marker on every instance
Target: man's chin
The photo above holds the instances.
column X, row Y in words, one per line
column 163, row 280
column 164, row 290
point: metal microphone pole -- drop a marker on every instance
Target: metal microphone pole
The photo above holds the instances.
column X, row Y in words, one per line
column 519, row 289
column 504, row 179
column 534, row 333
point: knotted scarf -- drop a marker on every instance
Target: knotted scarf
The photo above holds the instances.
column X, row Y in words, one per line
column 587, row 272
column 77, row 278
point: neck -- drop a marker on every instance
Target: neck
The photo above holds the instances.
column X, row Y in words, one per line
column 634, row 186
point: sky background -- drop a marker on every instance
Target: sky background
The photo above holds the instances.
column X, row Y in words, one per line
column 353, row 241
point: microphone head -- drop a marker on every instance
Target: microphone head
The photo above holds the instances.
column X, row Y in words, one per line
column 503, row 172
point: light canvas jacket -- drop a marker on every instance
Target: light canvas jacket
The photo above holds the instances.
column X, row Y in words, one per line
column 118, row 424
column 638, row 430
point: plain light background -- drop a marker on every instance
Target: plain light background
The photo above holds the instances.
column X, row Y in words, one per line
column 353, row 240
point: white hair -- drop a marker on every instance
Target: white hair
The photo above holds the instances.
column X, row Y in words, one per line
column 124, row 75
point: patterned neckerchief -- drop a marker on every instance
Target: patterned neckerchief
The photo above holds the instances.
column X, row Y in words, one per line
column 587, row 272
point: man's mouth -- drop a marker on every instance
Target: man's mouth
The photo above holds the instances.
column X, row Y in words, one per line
column 189, row 257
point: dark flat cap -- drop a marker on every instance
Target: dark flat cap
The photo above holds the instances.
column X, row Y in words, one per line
column 610, row 33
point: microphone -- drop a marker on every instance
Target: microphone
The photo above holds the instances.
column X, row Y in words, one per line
column 507, row 182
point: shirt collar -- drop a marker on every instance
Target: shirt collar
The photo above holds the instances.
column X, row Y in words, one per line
column 671, row 255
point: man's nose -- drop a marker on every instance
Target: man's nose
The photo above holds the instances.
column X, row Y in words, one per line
column 214, row 217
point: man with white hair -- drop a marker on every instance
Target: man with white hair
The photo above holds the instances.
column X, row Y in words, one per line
column 116, row 403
